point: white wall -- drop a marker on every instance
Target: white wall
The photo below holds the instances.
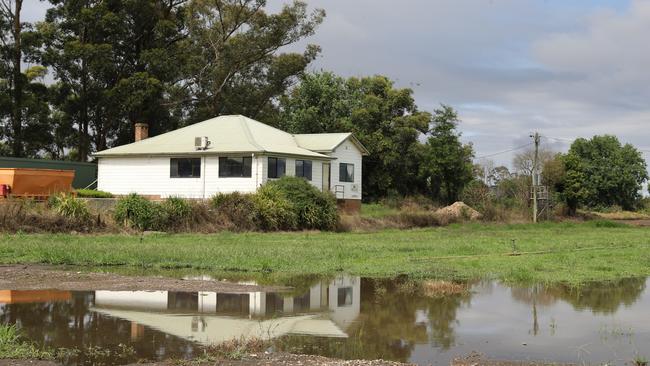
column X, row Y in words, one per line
column 150, row 176
column 316, row 166
column 347, row 152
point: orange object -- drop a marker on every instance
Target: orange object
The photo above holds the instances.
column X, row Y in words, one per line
column 36, row 182
column 16, row 297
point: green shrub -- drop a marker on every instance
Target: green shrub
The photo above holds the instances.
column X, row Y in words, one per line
column 314, row 209
column 275, row 211
column 236, row 211
column 93, row 193
column 137, row 212
column 69, row 206
column 174, row 212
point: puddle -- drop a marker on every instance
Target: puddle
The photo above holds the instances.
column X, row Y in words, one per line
column 348, row 317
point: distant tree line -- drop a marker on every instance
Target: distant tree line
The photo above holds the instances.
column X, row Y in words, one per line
column 598, row 173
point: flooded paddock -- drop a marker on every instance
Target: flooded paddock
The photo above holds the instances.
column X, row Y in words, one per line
column 348, row 317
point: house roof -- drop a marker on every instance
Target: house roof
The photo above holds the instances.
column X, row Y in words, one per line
column 227, row 134
column 327, row 142
column 219, row 329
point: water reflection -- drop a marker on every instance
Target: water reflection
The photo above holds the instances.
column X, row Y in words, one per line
column 325, row 310
column 349, row 317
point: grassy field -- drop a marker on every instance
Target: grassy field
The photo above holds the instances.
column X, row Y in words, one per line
column 548, row 252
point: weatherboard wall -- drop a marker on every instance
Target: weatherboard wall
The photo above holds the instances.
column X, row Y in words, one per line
column 347, row 152
column 150, row 176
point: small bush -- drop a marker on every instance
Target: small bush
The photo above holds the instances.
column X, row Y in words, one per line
column 69, row 206
column 93, row 193
column 137, row 212
column 236, row 211
column 275, row 211
column 314, row 209
column 174, row 212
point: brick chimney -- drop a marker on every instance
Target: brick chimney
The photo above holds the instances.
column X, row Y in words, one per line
column 141, row 131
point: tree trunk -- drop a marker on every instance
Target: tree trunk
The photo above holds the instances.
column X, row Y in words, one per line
column 17, row 79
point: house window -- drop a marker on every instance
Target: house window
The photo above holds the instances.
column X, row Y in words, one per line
column 235, row 167
column 277, row 167
column 346, row 172
column 185, row 167
column 303, row 169
column 344, row 296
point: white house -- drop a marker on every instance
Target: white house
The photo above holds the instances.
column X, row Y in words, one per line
column 227, row 154
column 328, row 309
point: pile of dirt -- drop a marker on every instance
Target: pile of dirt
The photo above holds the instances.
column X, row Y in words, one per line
column 458, row 211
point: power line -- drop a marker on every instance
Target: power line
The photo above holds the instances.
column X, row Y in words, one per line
column 504, row 151
column 572, row 140
column 558, row 138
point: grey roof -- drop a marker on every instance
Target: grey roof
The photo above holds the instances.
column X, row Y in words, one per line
column 228, row 134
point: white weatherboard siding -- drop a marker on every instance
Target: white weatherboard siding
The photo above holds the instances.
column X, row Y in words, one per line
column 145, row 176
column 150, row 176
column 316, row 166
column 347, row 152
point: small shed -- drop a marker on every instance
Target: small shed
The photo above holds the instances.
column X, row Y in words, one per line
column 85, row 174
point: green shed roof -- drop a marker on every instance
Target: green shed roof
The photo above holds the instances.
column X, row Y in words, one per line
column 227, row 134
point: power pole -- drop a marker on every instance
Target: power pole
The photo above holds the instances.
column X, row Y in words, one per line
column 535, row 137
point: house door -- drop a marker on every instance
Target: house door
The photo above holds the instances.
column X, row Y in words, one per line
column 326, row 177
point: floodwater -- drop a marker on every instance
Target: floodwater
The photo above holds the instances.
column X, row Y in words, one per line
column 348, row 317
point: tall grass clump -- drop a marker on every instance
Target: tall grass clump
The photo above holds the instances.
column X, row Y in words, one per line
column 174, row 213
column 137, row 212
column 314, row 209
column 69, row 206
column 13, row 346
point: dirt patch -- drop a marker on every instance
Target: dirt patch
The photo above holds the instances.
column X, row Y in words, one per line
column 272, row 359
column 27, row 363
column 478, row 359
column 250, row 360
column 31, row 277
column 459, row 211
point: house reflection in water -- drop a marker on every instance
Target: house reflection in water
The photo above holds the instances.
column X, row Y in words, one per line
column 326, row 310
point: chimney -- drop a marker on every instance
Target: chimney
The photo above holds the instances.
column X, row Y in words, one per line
column 141, row 131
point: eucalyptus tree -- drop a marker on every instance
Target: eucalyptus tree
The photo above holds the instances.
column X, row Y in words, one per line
column 236, row 63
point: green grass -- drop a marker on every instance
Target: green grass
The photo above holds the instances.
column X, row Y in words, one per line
column 597, row 250
column 13, row 346
column 93, row 193
column 377, row 210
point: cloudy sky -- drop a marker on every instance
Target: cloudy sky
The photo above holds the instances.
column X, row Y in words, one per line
column 564, row 68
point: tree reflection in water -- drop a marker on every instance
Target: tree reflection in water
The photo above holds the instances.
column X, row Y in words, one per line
column 71, row 324
column 598, row 297
column 395, row 316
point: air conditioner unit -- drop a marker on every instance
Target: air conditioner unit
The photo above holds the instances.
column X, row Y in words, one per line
column 201, row 143
column 354, row 188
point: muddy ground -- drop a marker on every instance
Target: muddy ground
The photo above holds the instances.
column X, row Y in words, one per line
column 34, row 277
column 250, row 360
